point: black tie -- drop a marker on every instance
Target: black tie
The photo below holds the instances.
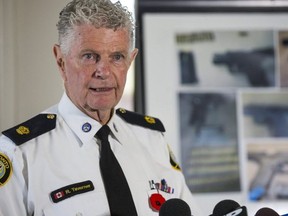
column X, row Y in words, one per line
column 118, row 193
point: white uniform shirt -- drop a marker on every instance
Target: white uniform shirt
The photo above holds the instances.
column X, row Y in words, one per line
column 63, row 164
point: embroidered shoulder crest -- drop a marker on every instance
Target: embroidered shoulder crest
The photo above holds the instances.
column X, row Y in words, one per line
column 32, row 128
column 141, row 120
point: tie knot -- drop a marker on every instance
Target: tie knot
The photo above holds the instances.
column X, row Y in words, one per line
column 103, row 132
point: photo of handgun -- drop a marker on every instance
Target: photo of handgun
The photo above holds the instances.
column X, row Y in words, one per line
column 274, row 117
column 270, row 166
column 257, row 65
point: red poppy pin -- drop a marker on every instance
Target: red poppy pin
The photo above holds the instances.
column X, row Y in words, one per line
column 156, row 201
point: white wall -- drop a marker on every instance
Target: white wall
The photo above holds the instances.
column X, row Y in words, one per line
column 1, row 56
column 7, row 59
column 38, row 83
column 29, row 76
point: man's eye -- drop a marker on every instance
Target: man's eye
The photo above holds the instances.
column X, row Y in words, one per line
column 89, row 56
column 118, row 57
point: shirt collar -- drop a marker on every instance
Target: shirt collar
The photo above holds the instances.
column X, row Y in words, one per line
column 81, row 124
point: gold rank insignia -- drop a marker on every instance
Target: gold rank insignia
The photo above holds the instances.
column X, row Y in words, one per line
column 32, row 128
column 141, row 120
column 22, row 130
column 5, row 169
column 51, row 116
column 122, row 110
column 150, row 120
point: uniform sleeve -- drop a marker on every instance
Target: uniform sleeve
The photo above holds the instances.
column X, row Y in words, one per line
column 13, row 189
column 185, row 194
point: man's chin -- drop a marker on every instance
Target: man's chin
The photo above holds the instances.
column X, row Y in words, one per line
column 102, row 108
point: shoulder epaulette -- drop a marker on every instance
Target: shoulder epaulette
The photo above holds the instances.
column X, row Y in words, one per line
column 32, row 128
column 142, row 120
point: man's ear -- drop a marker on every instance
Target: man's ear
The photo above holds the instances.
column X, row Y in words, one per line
column 59, row 59
column 134, row 54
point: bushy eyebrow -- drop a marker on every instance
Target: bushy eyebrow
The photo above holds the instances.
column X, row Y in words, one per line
column 125, row 52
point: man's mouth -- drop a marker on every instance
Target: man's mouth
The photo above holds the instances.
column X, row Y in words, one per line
column 100, row 89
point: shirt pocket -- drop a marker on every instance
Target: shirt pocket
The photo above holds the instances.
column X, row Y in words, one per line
column 88, row 204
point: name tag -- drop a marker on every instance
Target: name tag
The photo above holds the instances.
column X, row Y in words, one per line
column 71, row 190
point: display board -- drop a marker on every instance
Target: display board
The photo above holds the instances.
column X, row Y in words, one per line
column 218, row 80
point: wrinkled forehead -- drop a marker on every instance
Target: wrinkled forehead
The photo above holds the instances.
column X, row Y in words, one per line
column 89, row 37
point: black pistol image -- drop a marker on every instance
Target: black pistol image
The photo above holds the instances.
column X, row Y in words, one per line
column 274, row 117
column 257, row 65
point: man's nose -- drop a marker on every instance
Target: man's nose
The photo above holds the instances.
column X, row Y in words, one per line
column 102, row 69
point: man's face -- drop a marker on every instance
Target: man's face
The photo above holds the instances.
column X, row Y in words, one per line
column 94, row 71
